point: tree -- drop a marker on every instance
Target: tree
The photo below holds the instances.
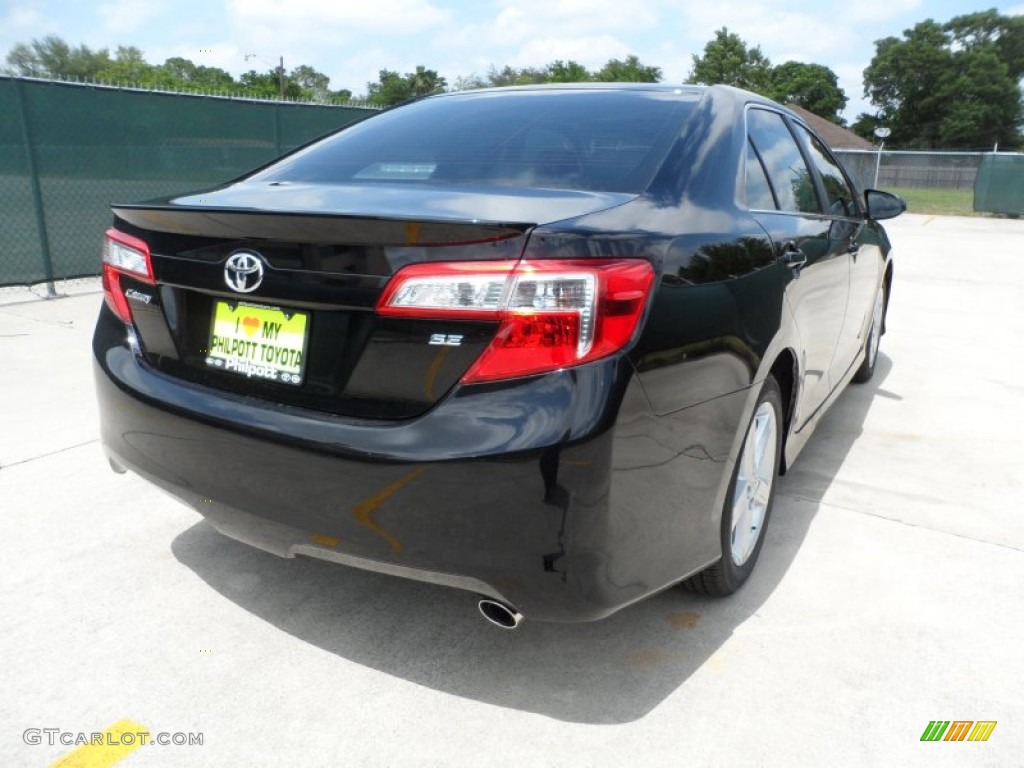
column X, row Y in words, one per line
column 949, row 86
column 865, row 124
column 52, row 57
column 811, row 86
column 570, row 71
column 987, row 106
column 129, row 66
column 390, row 89
column 728, row 60
column 497, row 78
column 424, row 82
column 469, row 82
column 628, row 71
column 984, row 28
column 183, row 74
column 314, row 85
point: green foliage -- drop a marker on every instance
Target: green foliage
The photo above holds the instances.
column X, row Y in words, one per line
column 424, row 82
column 812, row 86
column 988, row 28
column 937, row 202
column 392, row 88
column 180, row 70
column 52, row 57
column 628, row 71
column 313, row 85
column 129, row 66
column 953, row 85
column 728, row 60
column 499, row 78
column 864, row 126
column 567, row 72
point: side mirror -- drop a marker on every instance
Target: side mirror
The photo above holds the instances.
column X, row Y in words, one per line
column 883, row 205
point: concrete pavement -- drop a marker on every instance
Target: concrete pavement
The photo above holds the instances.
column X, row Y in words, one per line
column 890, row 591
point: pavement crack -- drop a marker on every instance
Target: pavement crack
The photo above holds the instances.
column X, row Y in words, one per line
column 50, row 453
column 907, row 523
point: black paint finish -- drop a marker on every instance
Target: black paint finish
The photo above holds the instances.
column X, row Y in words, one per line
column 570, row 494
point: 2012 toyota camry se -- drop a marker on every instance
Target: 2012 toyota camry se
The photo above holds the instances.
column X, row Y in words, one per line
column 550, row 345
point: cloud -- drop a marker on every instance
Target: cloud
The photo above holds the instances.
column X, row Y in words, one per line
column 223, row 54
column 123, row 16
column 880, row 10
column 591, row 52
column 851, row 80
column 588, row 31
column 22, row 19
column 306, row 22
column 781, row 35
column 577, row 17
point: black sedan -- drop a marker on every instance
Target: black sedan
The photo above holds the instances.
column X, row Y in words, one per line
column 550, row 345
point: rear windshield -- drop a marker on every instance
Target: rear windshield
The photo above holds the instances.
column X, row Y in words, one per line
column 606, row 141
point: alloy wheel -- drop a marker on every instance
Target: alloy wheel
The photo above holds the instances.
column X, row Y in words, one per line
column 753, row 489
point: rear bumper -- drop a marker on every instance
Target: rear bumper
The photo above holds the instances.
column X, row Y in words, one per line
column 504, row 490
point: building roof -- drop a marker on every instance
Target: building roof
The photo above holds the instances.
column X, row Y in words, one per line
column 834, row 135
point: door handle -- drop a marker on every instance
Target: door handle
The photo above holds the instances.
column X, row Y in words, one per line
column 793, row 257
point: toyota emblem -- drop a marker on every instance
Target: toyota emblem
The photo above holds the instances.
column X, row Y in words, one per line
column 243, row 271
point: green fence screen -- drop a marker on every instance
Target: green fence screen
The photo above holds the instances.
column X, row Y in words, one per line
column 999, row 187
column 67, row 151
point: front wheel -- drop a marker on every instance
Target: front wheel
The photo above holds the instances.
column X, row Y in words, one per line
column 867, row 368
column 748, row 504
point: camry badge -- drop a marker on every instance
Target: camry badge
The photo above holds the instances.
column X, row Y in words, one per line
column 243, row 271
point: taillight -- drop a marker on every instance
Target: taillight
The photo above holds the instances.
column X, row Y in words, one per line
column 123, row 255
column 551, row 313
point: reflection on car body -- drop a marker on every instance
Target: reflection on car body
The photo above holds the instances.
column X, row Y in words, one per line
column 551, row 345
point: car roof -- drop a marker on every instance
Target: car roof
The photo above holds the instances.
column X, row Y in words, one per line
column 718, row 92
column 660, row 87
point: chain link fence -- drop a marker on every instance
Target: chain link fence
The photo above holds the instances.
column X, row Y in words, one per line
column 919, row 170
column 67, row 151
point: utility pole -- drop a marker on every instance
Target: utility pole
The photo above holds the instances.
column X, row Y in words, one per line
column 280, row 77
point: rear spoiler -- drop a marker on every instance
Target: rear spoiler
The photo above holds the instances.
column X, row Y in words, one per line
column 287, row 226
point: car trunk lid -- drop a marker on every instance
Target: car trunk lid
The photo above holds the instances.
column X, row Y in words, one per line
column 306, row 334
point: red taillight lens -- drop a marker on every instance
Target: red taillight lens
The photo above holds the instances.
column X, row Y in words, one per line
column 123, row 255
column 552, row 313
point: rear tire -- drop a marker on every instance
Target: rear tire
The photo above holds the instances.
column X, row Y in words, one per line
column 867, row 367
column 748, row 504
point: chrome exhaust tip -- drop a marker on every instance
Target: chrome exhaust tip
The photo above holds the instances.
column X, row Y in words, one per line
column 499, row 614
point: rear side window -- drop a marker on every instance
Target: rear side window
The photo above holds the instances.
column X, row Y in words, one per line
column 787, row 171
column 609, row 141
column 841, row 200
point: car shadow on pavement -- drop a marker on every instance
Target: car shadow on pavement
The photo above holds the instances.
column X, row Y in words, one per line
column 611, row 671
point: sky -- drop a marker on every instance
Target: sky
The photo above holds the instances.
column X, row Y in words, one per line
column 352, row 41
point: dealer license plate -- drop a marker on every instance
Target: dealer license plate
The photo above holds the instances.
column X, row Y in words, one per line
column 258, row 342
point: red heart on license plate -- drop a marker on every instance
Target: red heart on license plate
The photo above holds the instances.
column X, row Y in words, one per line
column 251, row 325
